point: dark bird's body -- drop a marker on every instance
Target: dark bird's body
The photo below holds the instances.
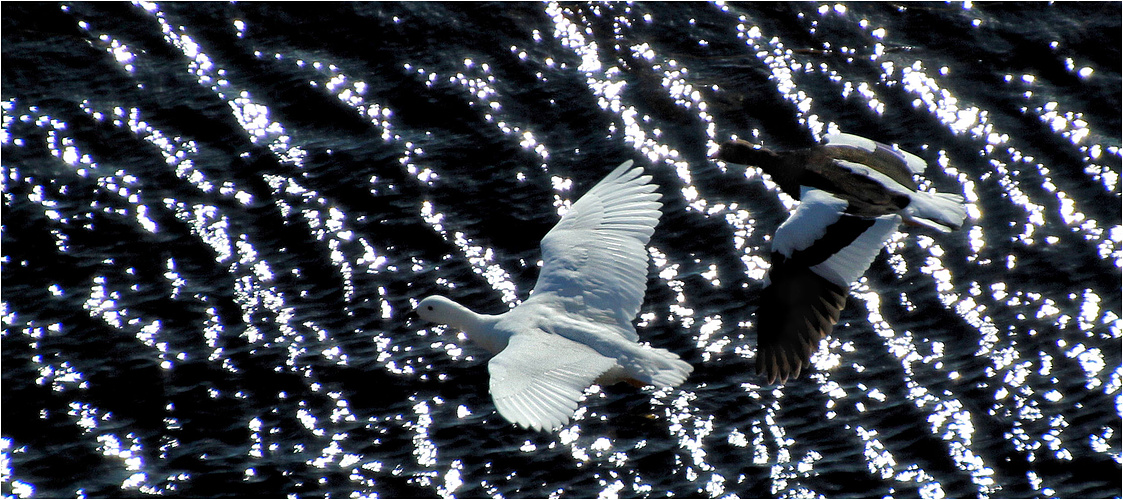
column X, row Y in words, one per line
column 853, row 195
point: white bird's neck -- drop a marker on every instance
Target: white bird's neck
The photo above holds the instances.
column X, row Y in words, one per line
column 480, row 328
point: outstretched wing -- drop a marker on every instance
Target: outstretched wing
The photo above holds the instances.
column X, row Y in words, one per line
column 594, row 261
column 816, row 254
column 538, row 378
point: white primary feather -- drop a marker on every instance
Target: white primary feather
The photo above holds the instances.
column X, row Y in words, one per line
column 538, row 379
column 850, row 263
column 915, row 164
column 859, row 142
column 576, row 327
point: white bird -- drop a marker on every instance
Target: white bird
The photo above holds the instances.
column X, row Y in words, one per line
column 576, row 328
column 853, row 193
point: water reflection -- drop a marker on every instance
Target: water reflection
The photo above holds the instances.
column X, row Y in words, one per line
column 944, row 300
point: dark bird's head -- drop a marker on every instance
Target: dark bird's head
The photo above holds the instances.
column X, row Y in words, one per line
column 745, row 153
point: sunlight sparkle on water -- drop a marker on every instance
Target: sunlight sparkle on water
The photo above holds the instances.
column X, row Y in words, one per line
column 948, row 421
column 481, row 258
column 608, row 83
column 120, row 51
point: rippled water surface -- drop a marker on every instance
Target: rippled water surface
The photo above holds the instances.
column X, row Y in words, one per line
column 217, row 216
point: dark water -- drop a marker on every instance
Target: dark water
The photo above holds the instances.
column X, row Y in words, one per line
column 216, row 218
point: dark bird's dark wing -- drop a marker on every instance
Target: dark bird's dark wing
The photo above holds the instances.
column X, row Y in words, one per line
column 797, row 309
column 816, row 254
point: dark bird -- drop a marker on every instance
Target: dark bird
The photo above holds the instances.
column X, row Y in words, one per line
column 853, row 193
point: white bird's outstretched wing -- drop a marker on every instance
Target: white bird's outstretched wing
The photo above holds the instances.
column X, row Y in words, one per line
column 594, row 261
column 538, row 378
column 816, row 254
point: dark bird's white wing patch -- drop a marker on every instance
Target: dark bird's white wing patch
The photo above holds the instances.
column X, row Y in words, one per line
column 816, row 254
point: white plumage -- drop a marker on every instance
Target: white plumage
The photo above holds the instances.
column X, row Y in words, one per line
column 576, row 328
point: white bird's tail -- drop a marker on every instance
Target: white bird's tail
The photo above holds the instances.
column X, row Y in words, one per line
column 940, row 211
column 658, row 367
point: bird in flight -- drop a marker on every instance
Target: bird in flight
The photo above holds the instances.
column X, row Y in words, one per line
column 576, row 328
column 854, row 193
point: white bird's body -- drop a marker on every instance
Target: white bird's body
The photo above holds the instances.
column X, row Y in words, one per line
column 576, row 328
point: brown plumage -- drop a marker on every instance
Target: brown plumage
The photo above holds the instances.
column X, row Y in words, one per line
column 815, row 167
column 860, row 190
column 796, row 310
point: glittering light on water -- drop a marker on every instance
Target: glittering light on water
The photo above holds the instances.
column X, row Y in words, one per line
column 424, row 451
column 708, row 341
column 252, row 116
column 1008, row 362
column 481, row 258
column 942, row 103
column 946, row 417
column 120, row 52
column 608, row 84
column 878, row 459
column 691, row 428
column 670, row 273
column 21, row 489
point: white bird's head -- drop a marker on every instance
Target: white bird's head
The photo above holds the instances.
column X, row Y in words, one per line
column 477, row 327
column 441, row 310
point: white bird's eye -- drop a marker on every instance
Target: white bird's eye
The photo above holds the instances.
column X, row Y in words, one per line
column 429, row 307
